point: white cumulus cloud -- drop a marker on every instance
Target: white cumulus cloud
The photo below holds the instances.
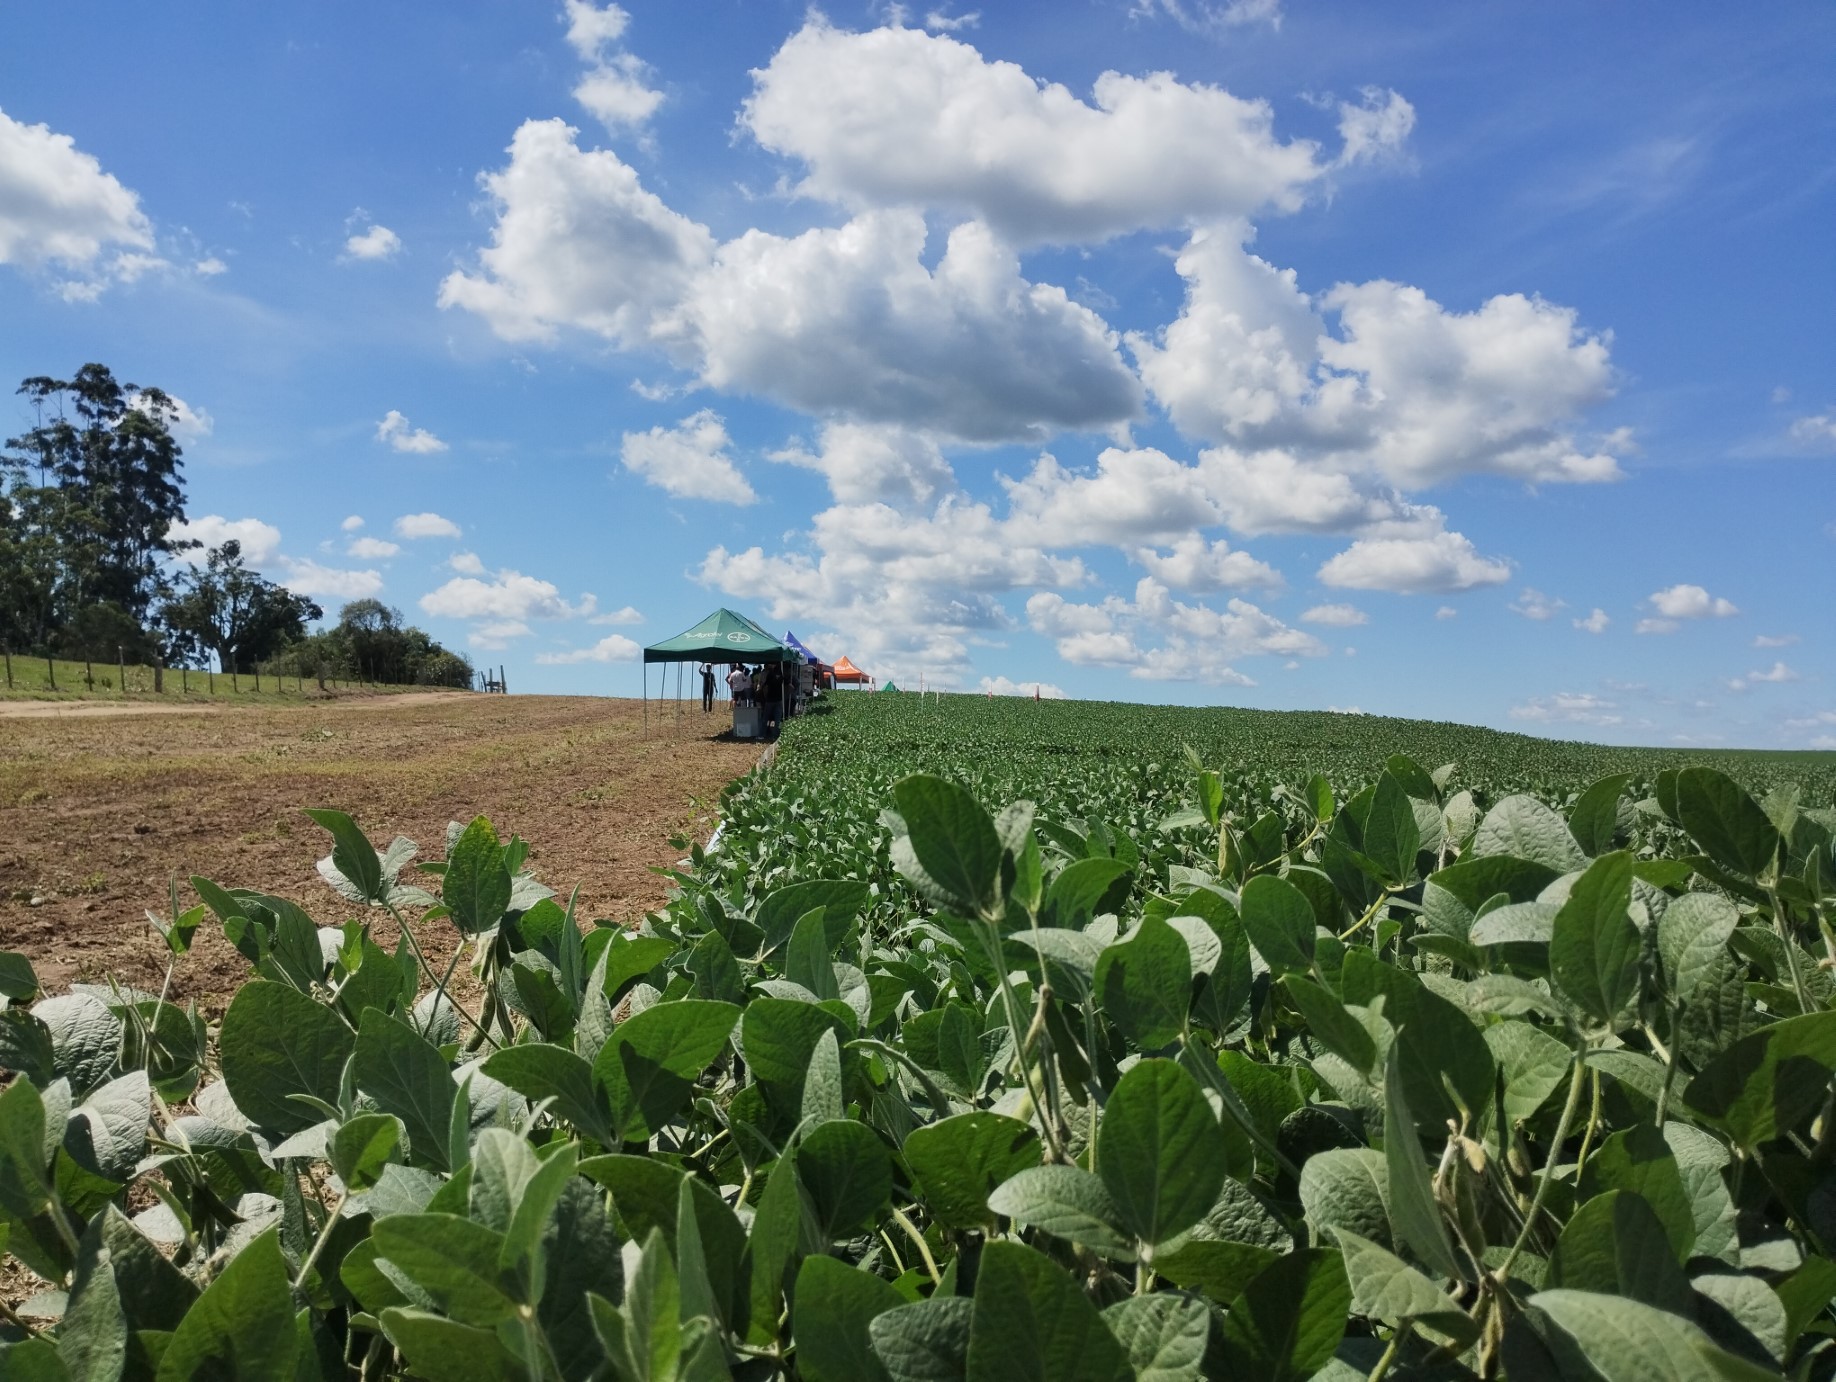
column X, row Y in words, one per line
column 508, row 597
column 420, row 525
column 1535, row 605
column 1002, row 686
column 900, row 117
column 1691, row 602
column 612, row 648
column 353, row 523
column 1434, row 562
column 1569, row 707
column 372, row 548
column 395, row 430
column 623, row 616
column 1775, row 675
column 690, row 460
column 1336, row 616
column 1596, row 622
column 305, row 577
column 1781, row 640
column 260, row 541
column 374, row 243
column 60, row 212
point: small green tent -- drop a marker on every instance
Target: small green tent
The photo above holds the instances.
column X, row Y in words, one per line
column 890, row 686
column 723, row 636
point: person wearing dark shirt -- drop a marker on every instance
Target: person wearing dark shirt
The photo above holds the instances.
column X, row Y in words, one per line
column 707, row 687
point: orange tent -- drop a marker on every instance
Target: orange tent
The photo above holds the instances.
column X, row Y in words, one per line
column 846, row 671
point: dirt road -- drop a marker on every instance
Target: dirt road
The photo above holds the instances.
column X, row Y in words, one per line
column 99, row 812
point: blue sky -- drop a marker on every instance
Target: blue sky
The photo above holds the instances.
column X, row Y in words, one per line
column 1468, row 362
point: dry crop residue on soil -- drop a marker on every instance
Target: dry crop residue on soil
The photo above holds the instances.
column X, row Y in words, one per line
column 97, row 812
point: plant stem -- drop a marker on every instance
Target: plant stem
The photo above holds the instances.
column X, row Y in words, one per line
column 7, row 1314
column 318, row 1245
column 1542, row 1186
column 1364, row 920
column 1400, row 1333
column 1593, row 1122
column 924, row 1248
column 1791, row 952
column 420, row 956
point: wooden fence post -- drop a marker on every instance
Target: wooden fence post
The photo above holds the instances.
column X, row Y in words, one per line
column 159, row 674
column 51, row 671
column 9, row 666
column 89, row 674
column 121, row 667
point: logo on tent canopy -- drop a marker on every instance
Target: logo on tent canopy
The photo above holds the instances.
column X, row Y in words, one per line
column 739, row 637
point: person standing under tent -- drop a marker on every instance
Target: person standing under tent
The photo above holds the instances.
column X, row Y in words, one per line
column 740, row 685
column 707, row 688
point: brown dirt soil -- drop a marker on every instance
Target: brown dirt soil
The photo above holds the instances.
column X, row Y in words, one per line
column 99, row 813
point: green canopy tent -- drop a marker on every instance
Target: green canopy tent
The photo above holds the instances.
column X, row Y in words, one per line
column 722, row 636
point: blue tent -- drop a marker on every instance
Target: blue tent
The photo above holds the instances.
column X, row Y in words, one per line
column 791, row 641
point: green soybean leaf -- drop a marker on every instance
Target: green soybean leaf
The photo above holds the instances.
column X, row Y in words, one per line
column 1615, row 1244
column 1348, row 1188
column 1289, row 1320
column 1413, row 1209
column 1386, row 1288
column 777, row 1037
column 1066, row 1202
column 629, row 958
column 540, row 1071
column 476, row 886
column 848, row 1173
column 960, row 1160
column 1626, row 1341
column 1163, row 1335
column 1639, row 1159
column 649, row 1066
column 1079, row 891
column 822, row 1084
column 1032, row 1322
column 1391, row 835
column 1157, row 1150
column 951, row 838
column 1593, row 949
column 1731, row 827
column 407, row 1076
column 1692, row 938
column 1280, row 923
column 242, row 1327
column 352, row 854
column 1333, row 1027
column 155, row 1294
column 25, row 1188
column 18, row 984
column 806, row 958
column 832, row 1320
column 92, row 1338
column 1594, row 818
column 276, row 1042
column 363, row 1146
column 85, row 1038
column 454, row 1261
column 841, row 900
column 1767, row 1083
column 1533, row 1064
column 1144, row 984
column 1521, row 826
column 924, row 1342
column 438, row 1347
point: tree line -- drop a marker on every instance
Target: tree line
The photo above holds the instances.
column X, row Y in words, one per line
column 92, row 565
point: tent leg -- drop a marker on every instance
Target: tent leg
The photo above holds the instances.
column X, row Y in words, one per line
column 646, row 671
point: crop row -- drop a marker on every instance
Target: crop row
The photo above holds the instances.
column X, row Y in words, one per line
column 1282, row 1077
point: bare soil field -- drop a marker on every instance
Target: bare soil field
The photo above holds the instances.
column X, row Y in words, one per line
column 99, row 812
